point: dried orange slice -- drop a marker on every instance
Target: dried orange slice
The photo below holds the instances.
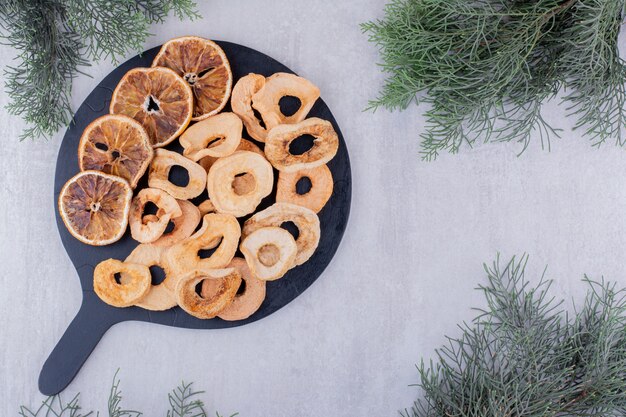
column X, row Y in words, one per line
column 204, row 65
column 115, row 144
column 94, row 207
column 158, row 99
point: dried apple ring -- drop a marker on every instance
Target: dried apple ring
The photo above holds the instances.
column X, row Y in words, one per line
column 207, row 307
column 270, row 252
column 256, row 183
column 160, row 168
column 120, row 294
column 160, row 296
column 324, row 148
column 241, row 103
column 215, row 136
column 316, row 197
column 217, row 229
column 306, row 221
column 168, row 208
column 244, row 304
column 151, row 218
column 241, row 183
column 267, row 100
column 184, row 225
column 206, row 207
column 244, row 145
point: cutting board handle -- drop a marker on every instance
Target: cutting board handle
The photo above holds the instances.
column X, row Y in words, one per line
column 75, row 346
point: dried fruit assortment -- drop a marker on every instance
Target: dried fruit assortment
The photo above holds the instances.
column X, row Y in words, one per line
column 196, row 244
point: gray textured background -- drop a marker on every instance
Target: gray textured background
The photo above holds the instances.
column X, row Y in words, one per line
column 402, row 277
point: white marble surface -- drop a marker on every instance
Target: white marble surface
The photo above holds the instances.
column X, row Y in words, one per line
column 402, row 277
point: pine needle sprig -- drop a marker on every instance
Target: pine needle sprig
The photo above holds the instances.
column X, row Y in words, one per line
column 599, row 366
column 595, row 72
column 105, row 37
column 48, row 55
column 184, row 402
column 115, row 399
column 485, row 68
column 525, row 356
column 54, row 39
column 54, row 406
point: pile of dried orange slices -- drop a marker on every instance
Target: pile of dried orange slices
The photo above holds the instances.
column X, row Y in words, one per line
column 190, row 81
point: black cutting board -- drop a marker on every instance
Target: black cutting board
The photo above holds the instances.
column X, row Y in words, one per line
column 95, row 317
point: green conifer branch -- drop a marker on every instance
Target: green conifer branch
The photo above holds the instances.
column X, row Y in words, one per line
column 183, row 400
column 486, row 67
column 54, row 39
column 525, row 356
